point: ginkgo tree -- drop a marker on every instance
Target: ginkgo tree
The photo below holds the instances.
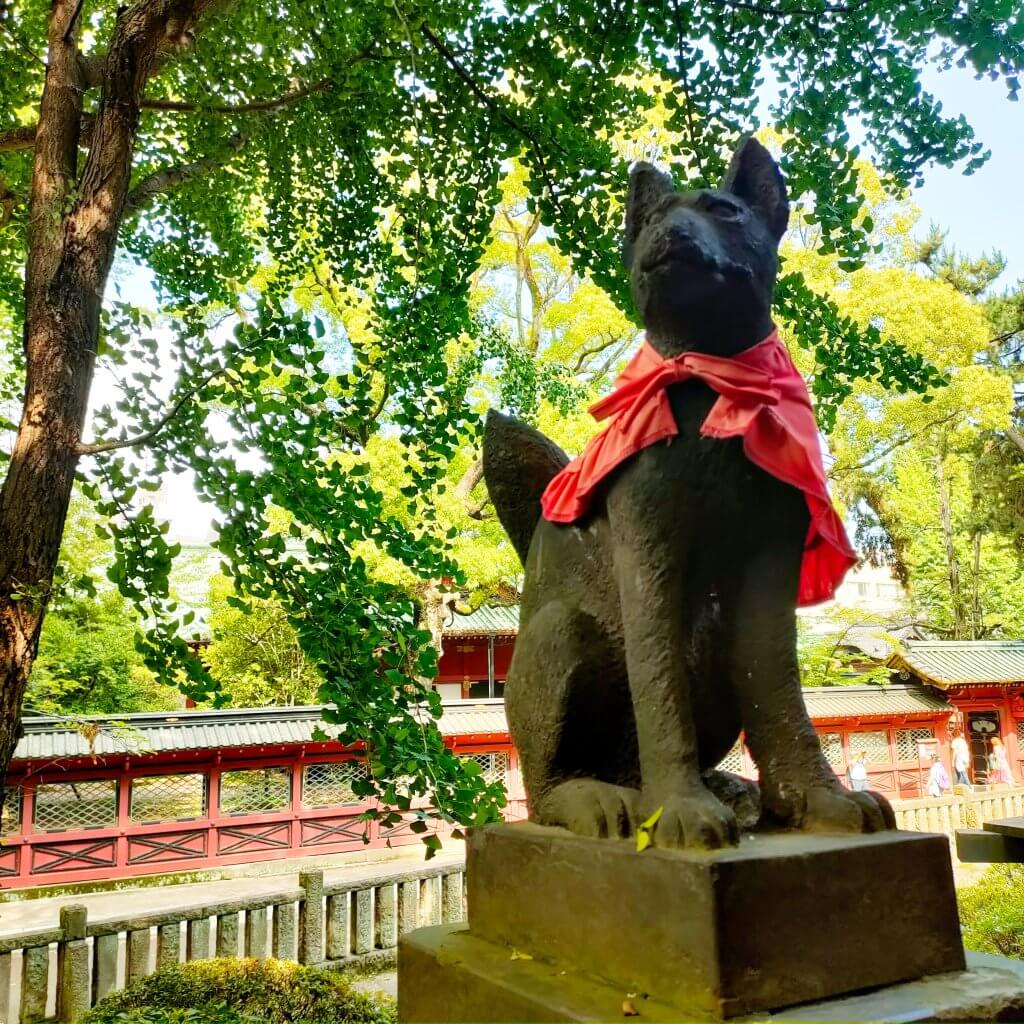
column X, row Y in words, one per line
column 198, row 140
column 907, row 464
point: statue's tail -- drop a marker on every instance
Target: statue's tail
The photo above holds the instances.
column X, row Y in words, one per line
column 519, row 463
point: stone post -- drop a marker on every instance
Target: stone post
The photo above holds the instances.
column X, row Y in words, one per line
column 311, row 917
column 168, row 944
column 387, row 916
column 105, row 954
column 364, row 921
column 408, row 905
column 5, row 986
column 227, row 934
column 197, row 939
column 138, row 955
column 430, row 900
column 73, row 994
column 256, row 933
column 35, row 977
column 452, row 910
column 338, row 926
column 284, row 931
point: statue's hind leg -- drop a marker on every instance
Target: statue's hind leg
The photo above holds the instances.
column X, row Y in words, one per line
column 576, row 744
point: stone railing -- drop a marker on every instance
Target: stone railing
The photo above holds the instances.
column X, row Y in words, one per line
column 962, row 809
column 63, row 971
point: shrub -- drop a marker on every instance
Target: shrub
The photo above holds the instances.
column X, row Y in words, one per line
column 992, row 911
column 238, row 991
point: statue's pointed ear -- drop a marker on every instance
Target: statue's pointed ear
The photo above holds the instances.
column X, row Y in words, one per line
column 755, row 177
column 647, row 186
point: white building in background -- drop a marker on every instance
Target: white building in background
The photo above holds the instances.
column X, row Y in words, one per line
column 871, row 590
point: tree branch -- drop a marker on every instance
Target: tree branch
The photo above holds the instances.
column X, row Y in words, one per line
column 54, row 162
column 143, row 32
column 169, row 178
column 890, row 448
column 98, row 447
column 1016, row 437
column 14, row 140
column 270, row 106
column 492, row 104
column 473, row 475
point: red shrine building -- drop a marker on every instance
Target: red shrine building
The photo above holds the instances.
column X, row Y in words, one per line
column 477, row 653
column 161, row 793
column 983, row 680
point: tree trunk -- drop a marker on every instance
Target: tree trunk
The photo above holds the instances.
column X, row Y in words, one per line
column 977, row 620
column 952, row 561
column 73, row 228
column 59, row 349
column 873, row 496
column 436, row 605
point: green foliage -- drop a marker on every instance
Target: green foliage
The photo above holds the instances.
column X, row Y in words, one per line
column 369, row 141
column 830, row 657
column 931, row 481
column 213, row 1014
column 992, row 911
column 255, row 656
column 88, row 663
column 231, row 991
column 969, row 276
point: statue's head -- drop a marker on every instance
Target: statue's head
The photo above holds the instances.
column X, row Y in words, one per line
column 703, row 263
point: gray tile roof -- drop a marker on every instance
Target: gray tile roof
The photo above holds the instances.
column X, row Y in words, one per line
column 956, row 662
column 857, row 701
column 488, row 620
column 52, row 739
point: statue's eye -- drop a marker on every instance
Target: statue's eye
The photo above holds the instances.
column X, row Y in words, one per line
column 723, row 209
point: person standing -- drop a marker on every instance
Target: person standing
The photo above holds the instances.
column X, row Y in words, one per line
column 961, row 759
column 999, row 763
column 938, row 777
column 858, row 773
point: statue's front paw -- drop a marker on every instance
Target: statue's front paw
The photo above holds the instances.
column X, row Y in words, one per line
column 590, row 807
column 694, row 820
column 829, row 808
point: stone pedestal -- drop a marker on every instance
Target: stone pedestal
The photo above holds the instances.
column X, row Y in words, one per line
column 567, row 928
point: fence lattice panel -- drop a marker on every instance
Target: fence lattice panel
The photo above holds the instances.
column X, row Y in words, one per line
column 255, row 791
column 907, row 740
column 168, row 798
column 70, row 806
column 330, row 785
column 875, row 745
column 733, row 761
column 495, row 766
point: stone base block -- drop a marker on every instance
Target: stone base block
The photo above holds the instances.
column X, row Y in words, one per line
column 781, row 919
column 447, row 974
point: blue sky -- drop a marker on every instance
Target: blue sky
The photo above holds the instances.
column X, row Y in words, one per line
column 986, row 210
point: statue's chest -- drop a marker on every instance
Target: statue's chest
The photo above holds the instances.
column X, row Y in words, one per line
column 692, row 463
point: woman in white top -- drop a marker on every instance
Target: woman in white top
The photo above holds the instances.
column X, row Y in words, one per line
column 961, row 759
column 858, row 773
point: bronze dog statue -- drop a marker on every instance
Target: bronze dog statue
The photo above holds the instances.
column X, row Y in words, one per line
column 660, row 622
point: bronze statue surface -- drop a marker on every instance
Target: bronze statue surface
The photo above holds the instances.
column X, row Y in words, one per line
column 661, row 623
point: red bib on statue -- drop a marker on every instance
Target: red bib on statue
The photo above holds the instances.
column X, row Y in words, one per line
column 761, row 398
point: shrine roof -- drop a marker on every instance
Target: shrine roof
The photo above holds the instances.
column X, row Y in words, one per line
column 861, row 701
column 958, row 662
column 49, row 738
column 488, row 620
column 150, row 733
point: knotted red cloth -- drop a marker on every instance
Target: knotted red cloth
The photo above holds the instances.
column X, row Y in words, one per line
column 762, row 398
